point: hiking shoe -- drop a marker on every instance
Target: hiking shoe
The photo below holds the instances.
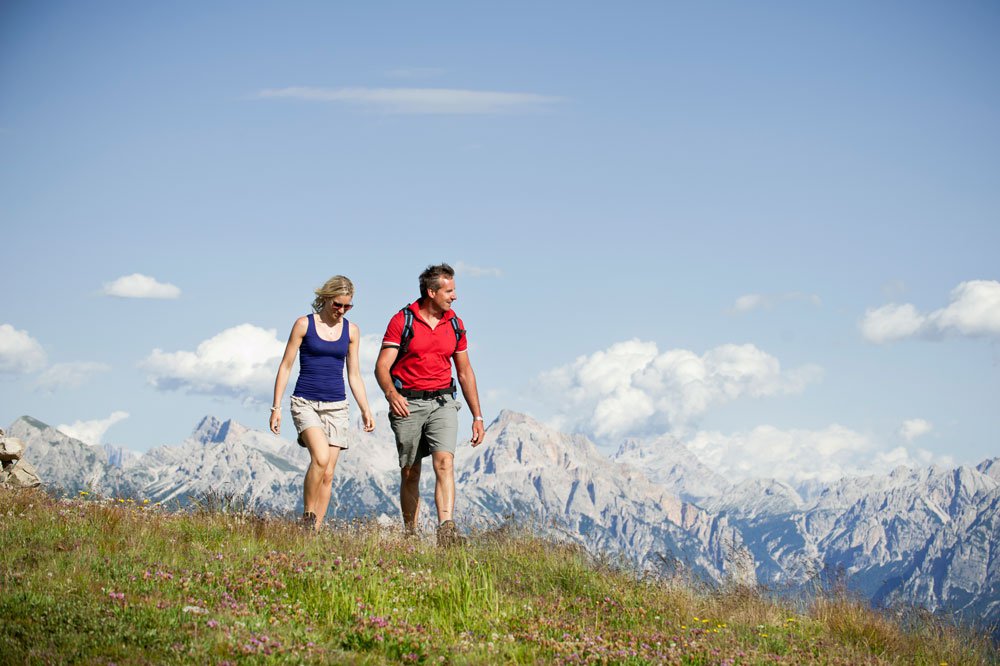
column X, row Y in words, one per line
column 448, row 534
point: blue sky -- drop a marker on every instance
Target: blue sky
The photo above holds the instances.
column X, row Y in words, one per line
column 771, row 230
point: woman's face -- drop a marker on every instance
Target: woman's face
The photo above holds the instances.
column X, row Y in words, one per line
column 337, row 306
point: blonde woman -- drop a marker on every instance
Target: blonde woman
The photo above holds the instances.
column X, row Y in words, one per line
column 325, row 342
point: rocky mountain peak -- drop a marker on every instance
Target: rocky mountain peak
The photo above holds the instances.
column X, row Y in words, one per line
column 507, row 417
column 633, row 448
column 970, row 482
column 211, row 430
column 671, row 464
column 34, row 423
column 30, row 429
column 990, row 467
column 755, row 497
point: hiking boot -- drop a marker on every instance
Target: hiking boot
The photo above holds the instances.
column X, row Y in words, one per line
column 448, row 534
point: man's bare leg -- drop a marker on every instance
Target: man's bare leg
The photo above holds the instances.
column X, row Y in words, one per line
column 444, row 487
column 409, row 495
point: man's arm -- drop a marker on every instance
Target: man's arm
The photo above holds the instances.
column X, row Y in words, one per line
column 383, row 366
column 467, row 380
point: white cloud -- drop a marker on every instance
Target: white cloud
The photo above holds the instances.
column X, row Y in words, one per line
column 19, row 352
column 91, row 432
column 751, row 302
column 974, row 310
column 240, row 362
column 419, row 100
column 892, row 322
column 795, row 456
column 140, row 286
column 464, row 269
column 632, row 388
column 914, row 428
column 69, row 375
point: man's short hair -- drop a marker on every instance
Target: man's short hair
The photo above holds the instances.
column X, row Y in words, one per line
column 431, row 278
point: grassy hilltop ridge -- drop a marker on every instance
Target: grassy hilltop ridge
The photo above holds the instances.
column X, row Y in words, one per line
column 101, row 581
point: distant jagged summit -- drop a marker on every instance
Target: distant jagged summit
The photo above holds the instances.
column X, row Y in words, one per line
column 990, row 467
column 211, row 430
column 34, row 423
column 671, row 464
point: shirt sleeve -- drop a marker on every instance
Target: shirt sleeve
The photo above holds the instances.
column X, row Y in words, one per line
column 394, row 331
column 463, row 343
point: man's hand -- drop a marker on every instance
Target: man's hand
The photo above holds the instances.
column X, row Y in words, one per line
column 478, row 433
column 398, row 404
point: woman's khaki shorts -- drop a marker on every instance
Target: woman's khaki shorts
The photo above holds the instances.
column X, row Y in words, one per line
column 331, row 417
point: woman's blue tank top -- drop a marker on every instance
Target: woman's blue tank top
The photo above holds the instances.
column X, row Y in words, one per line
column 321, row 365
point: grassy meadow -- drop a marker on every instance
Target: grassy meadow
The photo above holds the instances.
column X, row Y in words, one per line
column 105, row 581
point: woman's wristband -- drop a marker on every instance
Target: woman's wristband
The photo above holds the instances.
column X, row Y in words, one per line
column 274, row 409
column 477, row 418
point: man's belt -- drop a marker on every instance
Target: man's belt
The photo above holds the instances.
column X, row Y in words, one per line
column 410, row 394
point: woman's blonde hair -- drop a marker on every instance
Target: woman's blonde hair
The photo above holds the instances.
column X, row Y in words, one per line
column 338, row 285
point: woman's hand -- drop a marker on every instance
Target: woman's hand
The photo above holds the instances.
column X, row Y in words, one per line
column 368, row 421
column 276, row 421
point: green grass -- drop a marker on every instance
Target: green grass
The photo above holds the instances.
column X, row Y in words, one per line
column 98, row 581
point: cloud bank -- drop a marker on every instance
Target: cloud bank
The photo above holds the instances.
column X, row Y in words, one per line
column 795, row 456
column 446, row 101
column 240, row 362
column 138, row 285
column 19, row 352
column 973, row 310
column 92, row 432
column 631, row 388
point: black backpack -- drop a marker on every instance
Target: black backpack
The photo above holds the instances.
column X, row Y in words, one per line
column 407, row 335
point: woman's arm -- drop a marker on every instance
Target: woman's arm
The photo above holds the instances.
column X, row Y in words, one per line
column 285, row 369
column 354, row 378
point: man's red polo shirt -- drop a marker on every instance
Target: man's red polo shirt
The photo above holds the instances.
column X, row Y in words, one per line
column 426, row 366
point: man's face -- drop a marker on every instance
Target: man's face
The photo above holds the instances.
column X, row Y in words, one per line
column 444, row 295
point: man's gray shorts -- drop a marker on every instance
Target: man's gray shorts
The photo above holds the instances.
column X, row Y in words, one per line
column 431, row 426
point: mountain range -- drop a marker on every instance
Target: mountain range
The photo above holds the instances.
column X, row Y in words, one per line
column 926, row 536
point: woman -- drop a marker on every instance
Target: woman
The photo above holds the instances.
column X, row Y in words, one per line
column 324, row 340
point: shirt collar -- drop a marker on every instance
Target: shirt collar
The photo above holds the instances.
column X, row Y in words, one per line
column 415, row 307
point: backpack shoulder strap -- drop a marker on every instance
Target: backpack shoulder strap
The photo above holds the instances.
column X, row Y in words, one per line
column 459, row 332
column 407, row 335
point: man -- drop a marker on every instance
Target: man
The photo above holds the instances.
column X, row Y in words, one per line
column 414, row 371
